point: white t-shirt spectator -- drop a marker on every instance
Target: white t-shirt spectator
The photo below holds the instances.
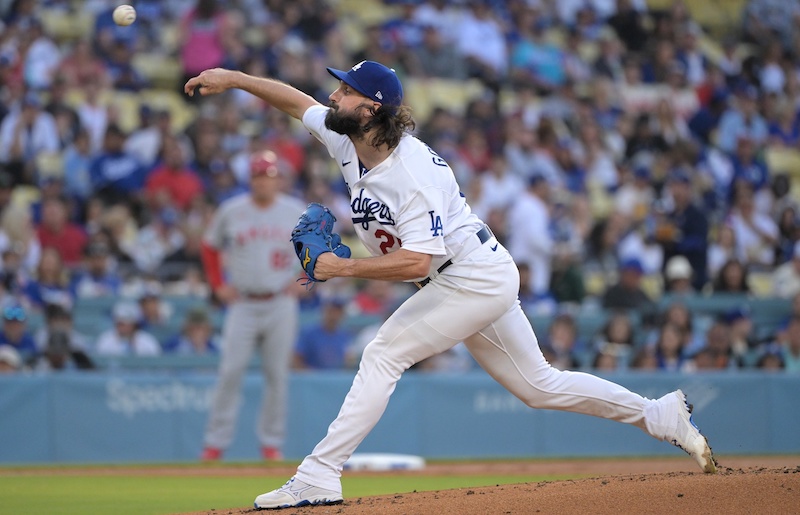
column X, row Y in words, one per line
column 750, row 246
column 141, row 343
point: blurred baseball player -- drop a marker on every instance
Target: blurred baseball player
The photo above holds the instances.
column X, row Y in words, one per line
column 408, row 211
column 252, row 230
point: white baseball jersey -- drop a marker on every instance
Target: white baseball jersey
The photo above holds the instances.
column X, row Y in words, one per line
column 419, row 208
column 258, row 252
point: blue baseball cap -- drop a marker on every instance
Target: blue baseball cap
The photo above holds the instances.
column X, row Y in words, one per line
column 632, row 264
column 374, row 81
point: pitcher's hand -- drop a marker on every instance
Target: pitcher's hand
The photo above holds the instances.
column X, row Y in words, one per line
column 210, row 82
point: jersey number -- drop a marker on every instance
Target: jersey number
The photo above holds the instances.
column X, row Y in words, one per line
column 387, row 240
column 280, row 260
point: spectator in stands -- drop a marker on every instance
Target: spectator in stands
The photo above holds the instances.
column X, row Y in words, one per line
column 12, row 277
column 51, row 186
column 116, row 175
column 740, row 325
column 17, row 233
column 41, row 56
column 679, row 315
column 742, row 119
column 106, row 32
column 616, row 339
column 97, row 277
column 721, row 250
column 125, row 338
column 683, row 230
column 172, row 183
column 7, row 184
column 15, row 333
column 627, row 293
column 530, row 241
column 770, row 358
column 124, row 75
column 207, row 37
column 481, row 43
column 94, row 114
column 636, row 194
column 716, row 353
column 81, row 65
column 763, row 19
column 60, row 346
column 669, row 348
column 157, row 240
column 561, row 344
column 629, row 24
column 784, row 129
column 732, row 278
column 10, row 360
column 533, row 303
column 645, row 359
column 197, row 336
column 756, row 232
column 156, row 312
column 57, row 232
column 66, row 118
column 789, row 339
column 27, row 131
column 608, row 62
column 77, row 163
column 749, row 167
column 535, row 61
column 51, row 283
column 145, row 143
column 678, row 276
column 605, row 360
column 788, row 223
column 786, row 278
column 706, row 119
column 375, row 298
column 323, row 346
column 436, row 58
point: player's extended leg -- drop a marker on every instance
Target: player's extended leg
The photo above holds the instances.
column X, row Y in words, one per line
column 278, row 323
column 238, row 340
column 508, row 350
column 430, row 322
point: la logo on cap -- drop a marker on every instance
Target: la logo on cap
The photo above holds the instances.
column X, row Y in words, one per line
column 356, row 67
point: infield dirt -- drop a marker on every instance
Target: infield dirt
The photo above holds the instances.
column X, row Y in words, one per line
column 744, row 485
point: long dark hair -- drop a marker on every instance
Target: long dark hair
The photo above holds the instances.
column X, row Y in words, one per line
column 390, row 125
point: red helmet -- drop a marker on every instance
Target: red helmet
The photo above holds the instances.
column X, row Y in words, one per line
column 264, row 163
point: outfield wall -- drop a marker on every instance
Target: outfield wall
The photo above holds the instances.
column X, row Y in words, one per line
column 159, row 417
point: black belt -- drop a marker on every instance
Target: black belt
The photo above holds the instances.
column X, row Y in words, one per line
column 485, row 234
column 259, row 296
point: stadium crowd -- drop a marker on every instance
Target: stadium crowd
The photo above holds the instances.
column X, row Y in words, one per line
column 629, row 157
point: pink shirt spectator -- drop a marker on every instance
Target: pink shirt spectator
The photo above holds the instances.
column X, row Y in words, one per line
column 203, row 41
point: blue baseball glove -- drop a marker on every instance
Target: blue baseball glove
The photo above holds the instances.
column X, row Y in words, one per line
column 313, row 236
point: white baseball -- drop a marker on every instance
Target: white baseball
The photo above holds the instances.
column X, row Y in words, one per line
column 124, row 15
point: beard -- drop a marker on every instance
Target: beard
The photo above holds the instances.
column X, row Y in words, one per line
column 346, row 124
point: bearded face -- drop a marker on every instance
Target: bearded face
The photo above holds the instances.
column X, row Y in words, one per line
column 347, row 124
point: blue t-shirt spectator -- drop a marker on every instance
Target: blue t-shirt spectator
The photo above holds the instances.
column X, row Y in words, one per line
column 324, row 345
column 15, row 332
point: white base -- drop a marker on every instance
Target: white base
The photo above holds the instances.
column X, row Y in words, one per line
column 378, row 461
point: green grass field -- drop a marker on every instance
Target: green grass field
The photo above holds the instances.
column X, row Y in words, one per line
column 89, row 492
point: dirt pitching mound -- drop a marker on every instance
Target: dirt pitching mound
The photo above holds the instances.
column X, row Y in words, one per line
column 741, row 488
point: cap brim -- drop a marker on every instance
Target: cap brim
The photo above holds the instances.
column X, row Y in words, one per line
column 347, row 79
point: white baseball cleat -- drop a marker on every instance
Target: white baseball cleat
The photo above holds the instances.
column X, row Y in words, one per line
column 688, row 438
column 297, row 493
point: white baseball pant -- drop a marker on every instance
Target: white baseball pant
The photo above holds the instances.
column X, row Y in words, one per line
column 475, row 301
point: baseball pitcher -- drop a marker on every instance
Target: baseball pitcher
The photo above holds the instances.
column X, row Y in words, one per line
column 408, row 211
